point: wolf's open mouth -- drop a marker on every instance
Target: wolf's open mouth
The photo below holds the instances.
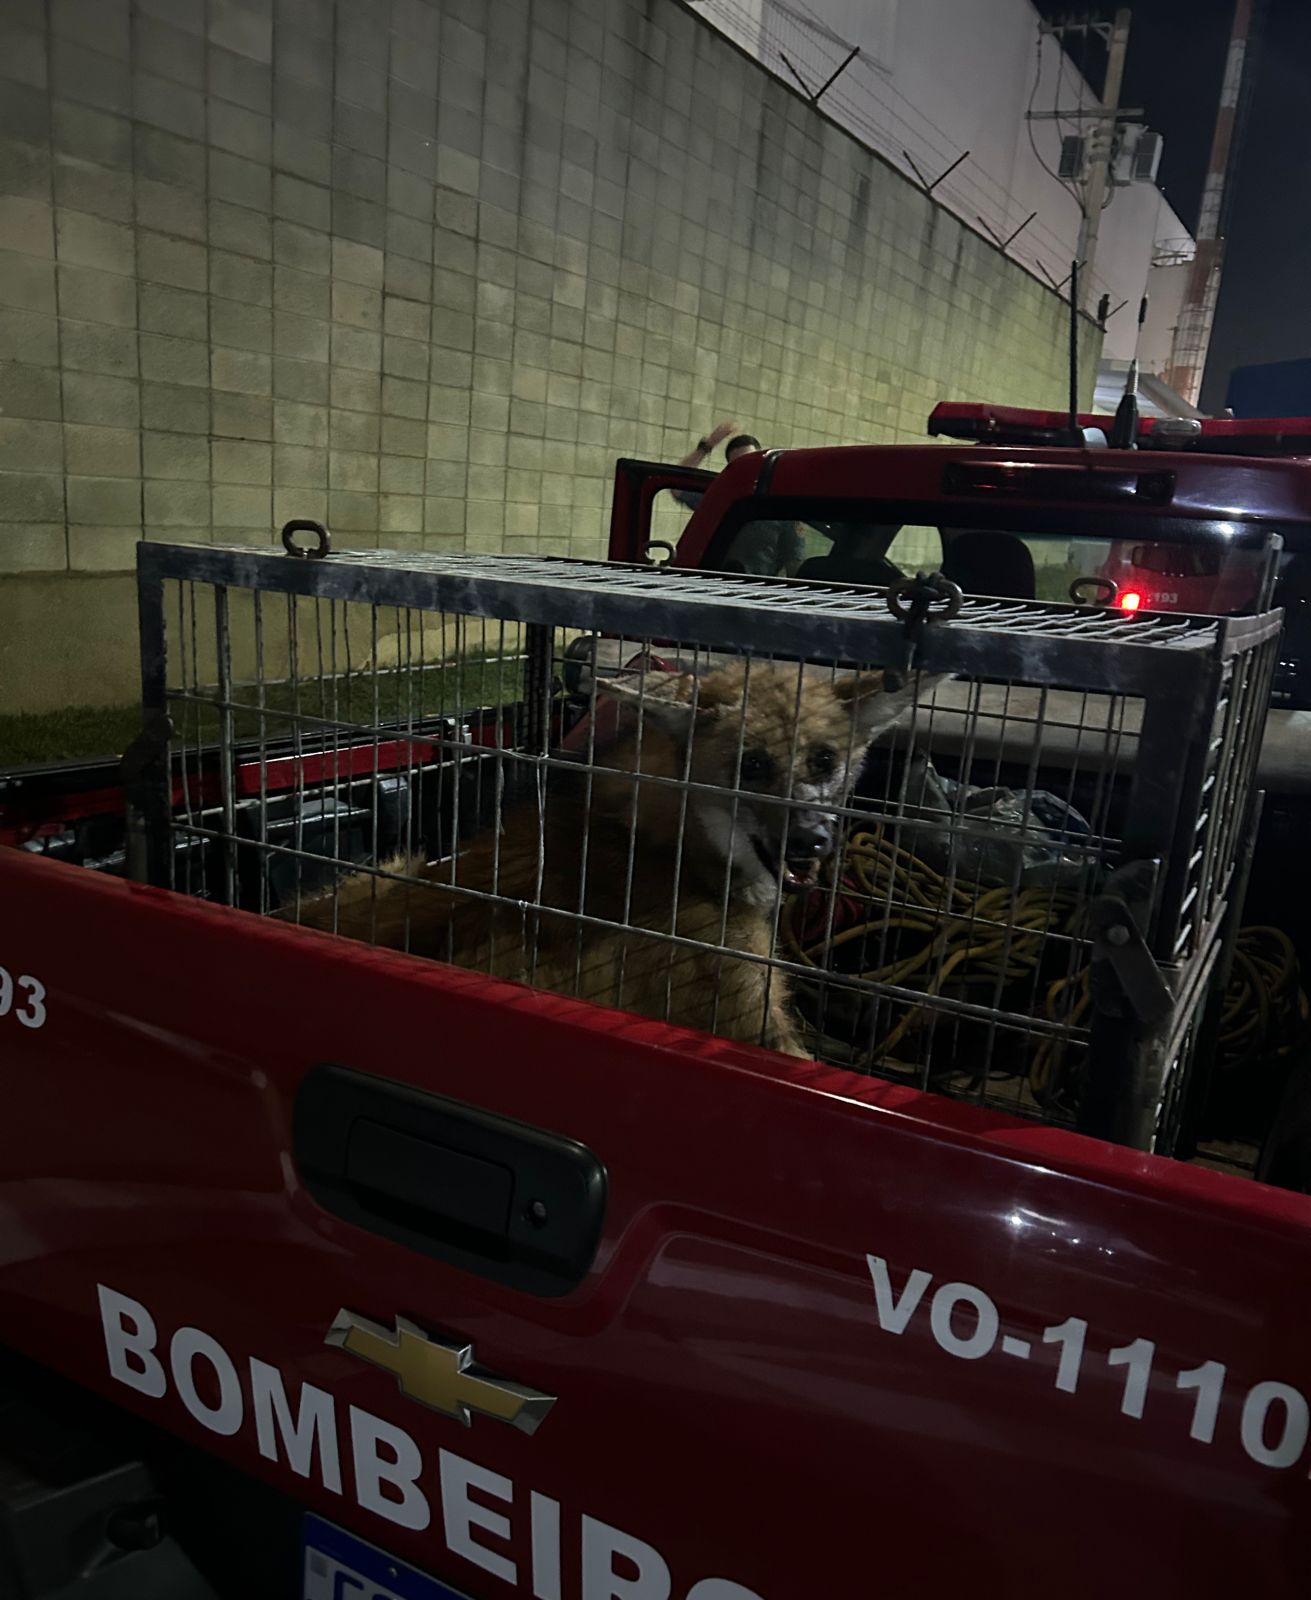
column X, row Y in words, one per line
column 793, row 876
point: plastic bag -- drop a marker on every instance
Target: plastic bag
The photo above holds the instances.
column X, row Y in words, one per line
column 1004, row 837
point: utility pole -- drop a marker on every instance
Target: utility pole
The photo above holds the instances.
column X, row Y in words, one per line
column 1101, row 146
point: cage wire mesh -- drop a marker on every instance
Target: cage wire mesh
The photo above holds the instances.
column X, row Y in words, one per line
column 728, row 803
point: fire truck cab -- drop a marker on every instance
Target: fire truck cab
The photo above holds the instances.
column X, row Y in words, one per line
column 1206, row 517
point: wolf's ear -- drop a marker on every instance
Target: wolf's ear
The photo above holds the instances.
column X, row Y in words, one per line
column 856, row 689
column 879, row 700
column 667, row 699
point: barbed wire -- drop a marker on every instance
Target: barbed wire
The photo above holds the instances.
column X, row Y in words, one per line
column 794, row 43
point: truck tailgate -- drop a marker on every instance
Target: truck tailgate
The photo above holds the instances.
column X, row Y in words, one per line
column 837, row 1337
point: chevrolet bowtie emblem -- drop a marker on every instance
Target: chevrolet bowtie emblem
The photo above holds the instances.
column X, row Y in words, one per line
column 439, row 1375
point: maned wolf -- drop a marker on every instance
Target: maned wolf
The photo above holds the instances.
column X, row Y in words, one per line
column 704, row 864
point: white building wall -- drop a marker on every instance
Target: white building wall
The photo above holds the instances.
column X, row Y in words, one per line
column 1166, row 288
column 936, row 78
column 1136, row 219
column 743, row 22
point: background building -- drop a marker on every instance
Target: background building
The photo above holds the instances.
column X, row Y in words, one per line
column 426, row 269
column 944, row 91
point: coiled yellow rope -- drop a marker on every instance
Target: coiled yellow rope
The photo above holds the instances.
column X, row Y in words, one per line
column 972, row 936
column 1265, row 1008
column 1264, row 1014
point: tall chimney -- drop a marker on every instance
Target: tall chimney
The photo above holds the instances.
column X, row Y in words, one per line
column 1192, row 336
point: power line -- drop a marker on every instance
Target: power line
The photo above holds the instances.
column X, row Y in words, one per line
column 778, row 28
column 1059, row 246
column 864, row 68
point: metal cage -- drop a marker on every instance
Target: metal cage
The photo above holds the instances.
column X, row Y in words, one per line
column 1018, row 886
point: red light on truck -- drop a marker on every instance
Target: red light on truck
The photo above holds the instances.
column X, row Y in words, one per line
column 1130, row 600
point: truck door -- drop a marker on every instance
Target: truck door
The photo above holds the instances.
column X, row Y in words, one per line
column 641, row 486
column 543, row 1299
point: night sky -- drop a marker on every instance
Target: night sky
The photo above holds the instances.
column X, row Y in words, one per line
column 1174, row 70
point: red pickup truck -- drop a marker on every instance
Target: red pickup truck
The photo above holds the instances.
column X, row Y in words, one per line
column 688, row 1319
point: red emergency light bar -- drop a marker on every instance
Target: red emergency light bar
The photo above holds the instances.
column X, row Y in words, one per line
column 955, row 419
column 1017, row 425
column 1249, row 436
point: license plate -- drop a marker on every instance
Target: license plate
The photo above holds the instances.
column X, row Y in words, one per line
column 337, row 1566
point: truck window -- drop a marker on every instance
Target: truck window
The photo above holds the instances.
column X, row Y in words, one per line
column 768, row 548
column 1220, row 576
column 1179, row 561
column 916, row 549
column 831, row 552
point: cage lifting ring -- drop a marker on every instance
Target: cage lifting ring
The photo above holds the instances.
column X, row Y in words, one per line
column 314, row 552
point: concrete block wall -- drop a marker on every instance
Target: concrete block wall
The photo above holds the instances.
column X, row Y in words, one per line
column 425, row 268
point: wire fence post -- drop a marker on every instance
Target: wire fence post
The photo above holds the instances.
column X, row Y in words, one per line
column 835, row 75
column 924, row 182
column 1004, row 244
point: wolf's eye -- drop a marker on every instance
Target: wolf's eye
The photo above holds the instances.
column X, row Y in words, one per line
column 758, row 766
column 822, row 760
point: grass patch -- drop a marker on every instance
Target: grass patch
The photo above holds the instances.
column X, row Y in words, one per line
column 76, row 733
column 360, row 699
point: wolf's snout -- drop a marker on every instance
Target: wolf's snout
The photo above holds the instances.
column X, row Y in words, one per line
column 809, row 840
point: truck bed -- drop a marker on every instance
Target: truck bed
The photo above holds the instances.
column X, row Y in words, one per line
column 831, row 1331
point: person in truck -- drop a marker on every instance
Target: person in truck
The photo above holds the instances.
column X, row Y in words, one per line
column 765, row 549
column 737, row 446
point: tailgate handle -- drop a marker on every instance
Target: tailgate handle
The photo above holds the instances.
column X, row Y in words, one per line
column 427, row 1178
column 485, row 1193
